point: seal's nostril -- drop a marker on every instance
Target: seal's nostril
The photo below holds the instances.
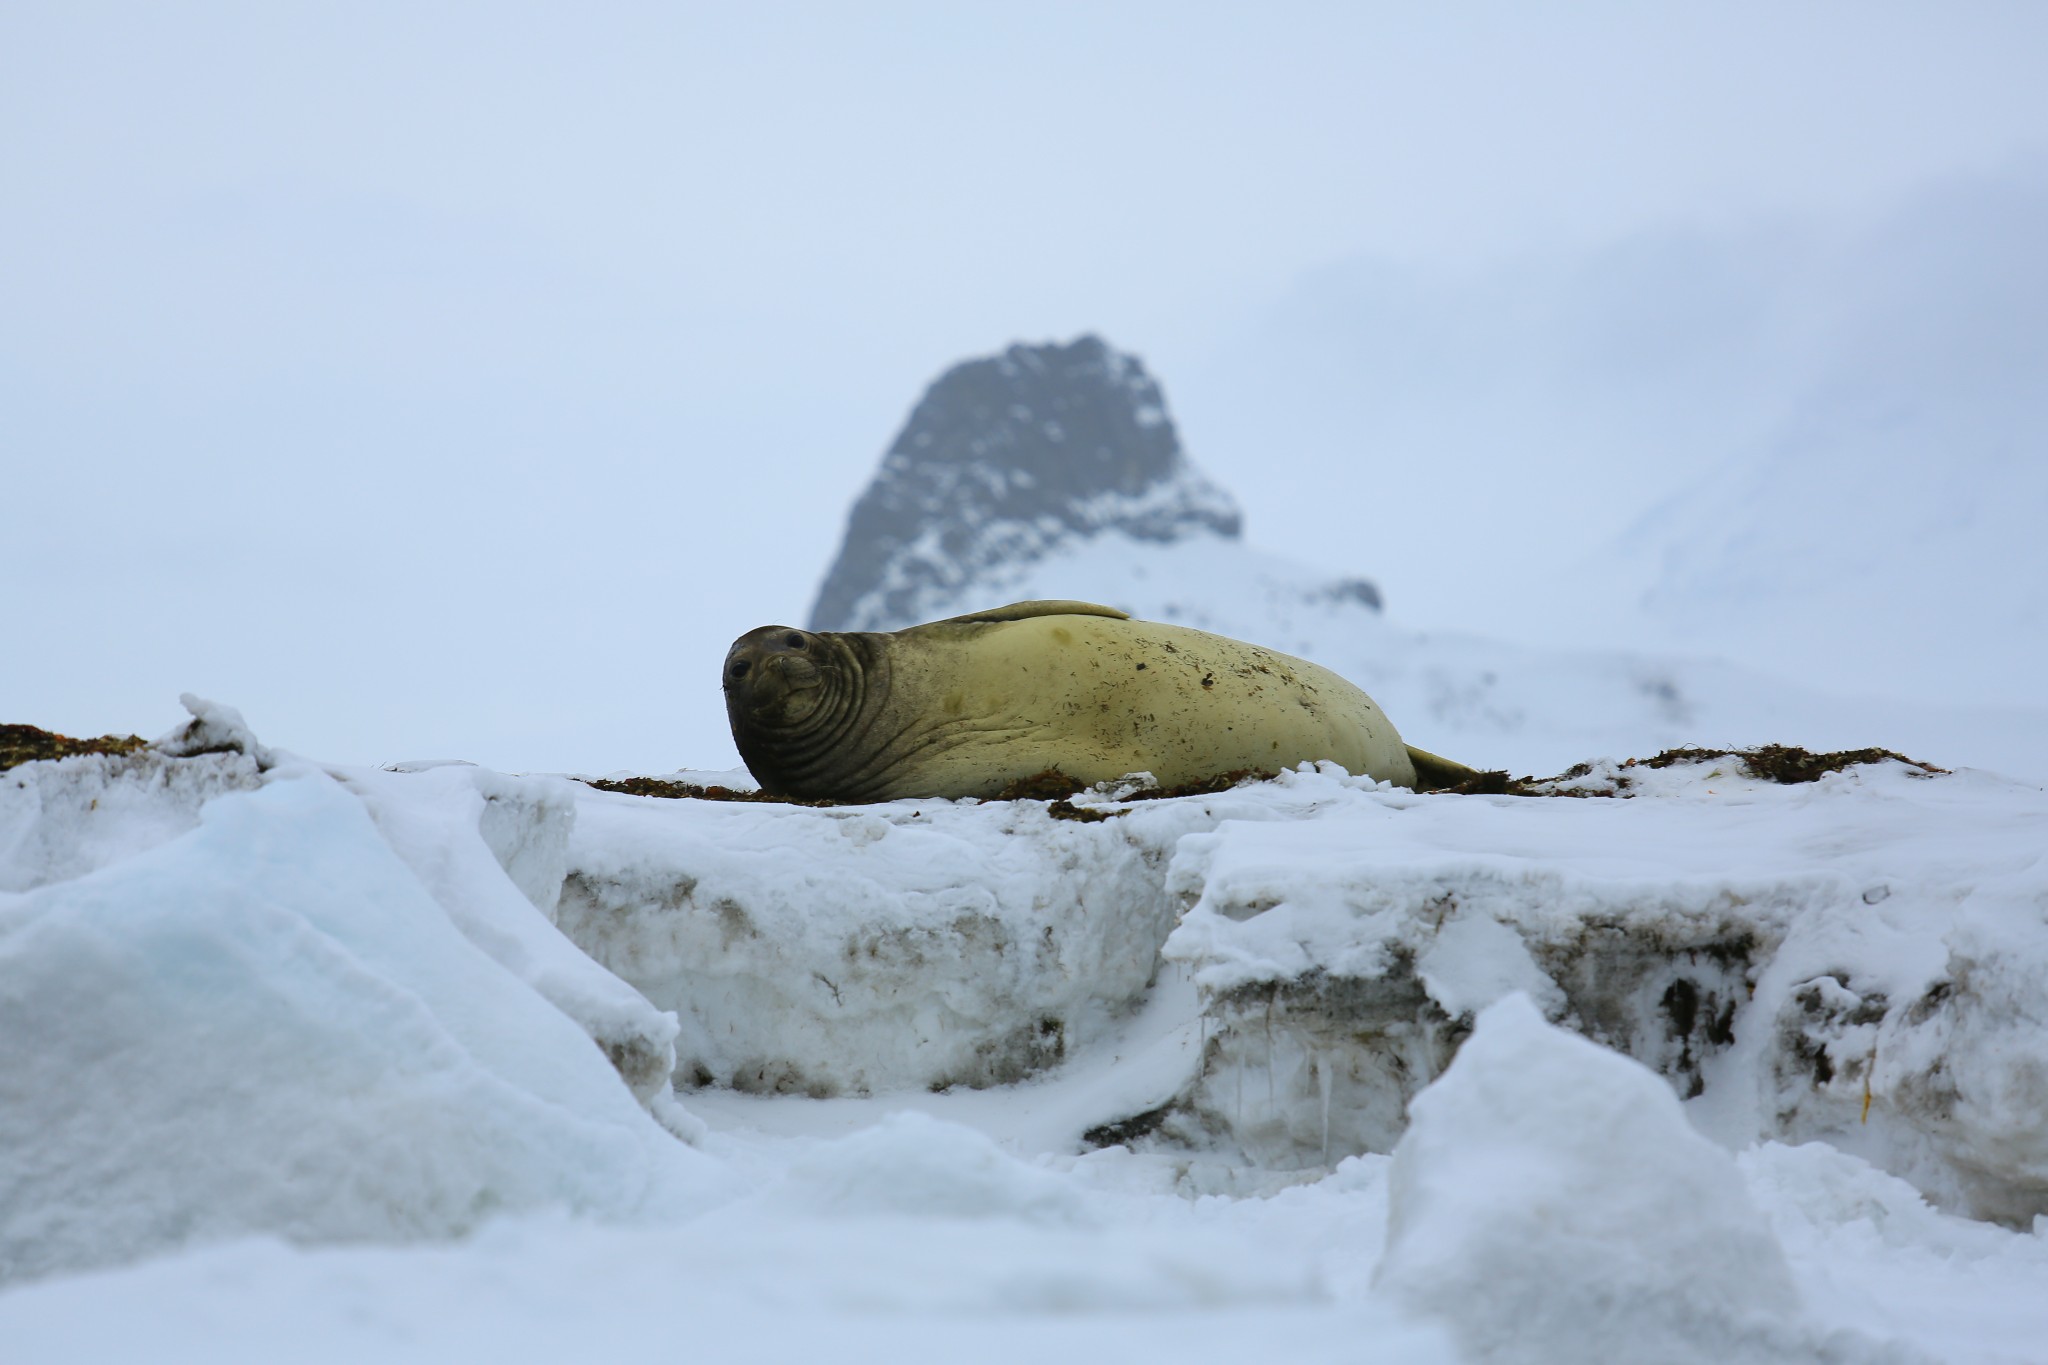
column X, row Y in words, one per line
column 740, row 667
column 794, row 640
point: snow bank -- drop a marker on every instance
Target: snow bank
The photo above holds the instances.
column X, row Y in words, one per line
column 1845, row 959
column 330, row 1007
column 63, row 820
column 1777, row 953
column 914, row 945
column 906, row 945
column 268, row 1024
column 60, row 820
column 493, row 850
column 213, row 729
column 1867, row 1250
column 1550, row 1203
column 914, row 1240
column 913, row 1165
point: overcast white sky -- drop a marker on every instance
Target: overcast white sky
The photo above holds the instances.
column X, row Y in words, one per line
column 459, row 380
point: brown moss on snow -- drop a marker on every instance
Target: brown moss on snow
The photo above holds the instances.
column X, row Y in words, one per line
column 1051, row 786
column 1783, row 763
column 21, row 744
column 1787, row 764
column 691, row 791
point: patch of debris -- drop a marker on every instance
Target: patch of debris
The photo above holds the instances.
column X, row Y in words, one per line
column 1787, row 763
column 1056, row 787
column 1207, row 786
column 1050, row 784
column 1782, row 763
column 21, row 744
column 1124, row 1132
column 1498, row 783
column 691, row 791
column 1087, row 815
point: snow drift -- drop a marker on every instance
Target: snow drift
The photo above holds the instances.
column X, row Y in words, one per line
column 268, row 1023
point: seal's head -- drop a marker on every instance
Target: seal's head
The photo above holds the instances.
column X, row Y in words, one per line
column 774, row 677
column 800, row 702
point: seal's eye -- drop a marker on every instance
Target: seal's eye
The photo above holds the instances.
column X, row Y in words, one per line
column 793, row 640
column 740, row 667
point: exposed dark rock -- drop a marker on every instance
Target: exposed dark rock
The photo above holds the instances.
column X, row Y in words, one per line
column 1124, row 1132
column 1004, row 459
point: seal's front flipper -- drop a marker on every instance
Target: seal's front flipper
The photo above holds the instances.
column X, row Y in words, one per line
column 1433, row 773
column 1024, row 611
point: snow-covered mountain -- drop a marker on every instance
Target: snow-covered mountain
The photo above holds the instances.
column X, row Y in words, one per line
column 1014, row 459
column 1816, row 449
column 1888, row 533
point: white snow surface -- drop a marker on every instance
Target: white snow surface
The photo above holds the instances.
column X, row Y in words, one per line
column 268, row 1025
column 908, row 945
column 1534, row 1138
column 336, row 1064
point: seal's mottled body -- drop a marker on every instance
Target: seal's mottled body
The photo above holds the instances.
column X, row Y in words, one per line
column 970, row 705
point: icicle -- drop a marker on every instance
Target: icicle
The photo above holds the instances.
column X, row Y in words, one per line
column 1326, row 1082
column 1271, row 1099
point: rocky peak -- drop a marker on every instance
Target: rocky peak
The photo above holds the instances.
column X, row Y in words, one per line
column 1005, row 459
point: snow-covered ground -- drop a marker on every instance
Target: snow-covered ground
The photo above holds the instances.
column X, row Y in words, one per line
column 320, row 1063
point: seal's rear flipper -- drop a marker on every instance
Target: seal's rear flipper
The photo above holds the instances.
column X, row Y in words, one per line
column 1433, row 773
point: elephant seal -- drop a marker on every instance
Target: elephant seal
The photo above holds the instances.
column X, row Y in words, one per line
column 967, row 706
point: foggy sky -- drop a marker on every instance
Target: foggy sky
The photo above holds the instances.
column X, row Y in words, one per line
column 458, row 382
